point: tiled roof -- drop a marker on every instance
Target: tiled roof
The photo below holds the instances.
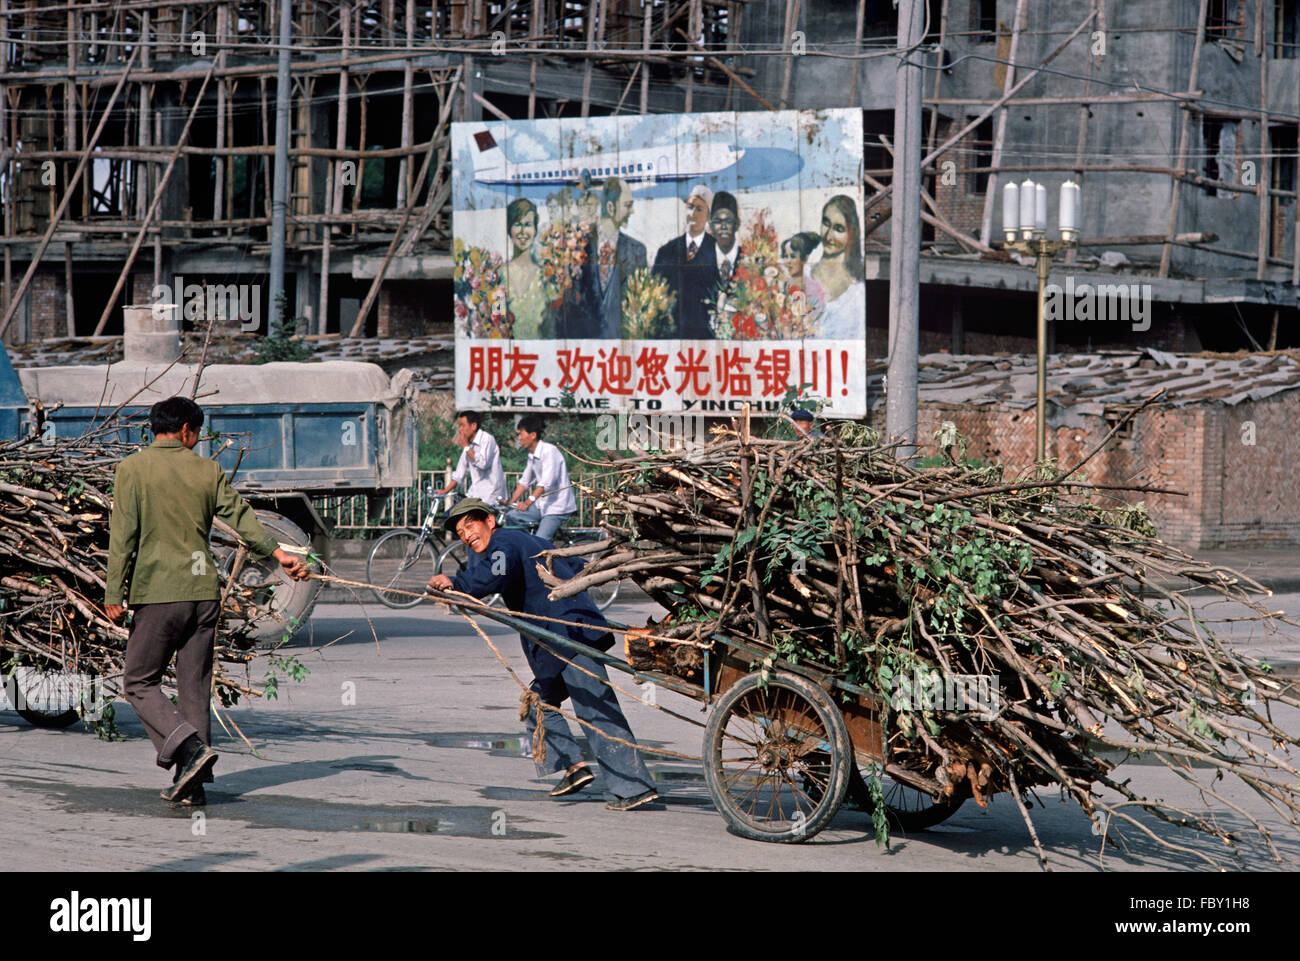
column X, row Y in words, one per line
column 1094, row 383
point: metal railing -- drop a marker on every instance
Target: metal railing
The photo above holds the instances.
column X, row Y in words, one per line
column 408, row 507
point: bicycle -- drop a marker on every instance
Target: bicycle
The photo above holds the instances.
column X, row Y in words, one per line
column 402, row 561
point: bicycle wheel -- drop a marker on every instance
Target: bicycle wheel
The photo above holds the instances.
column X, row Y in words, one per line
column 399, row 567
column 454, row 560
column 602, row 595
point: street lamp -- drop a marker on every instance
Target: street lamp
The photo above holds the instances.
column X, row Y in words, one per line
column 1024, row 212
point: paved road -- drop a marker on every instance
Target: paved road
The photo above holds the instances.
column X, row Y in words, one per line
column 425, row 771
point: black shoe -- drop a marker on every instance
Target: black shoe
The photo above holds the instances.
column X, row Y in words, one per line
column 192, row 771
column 573, row 781
column 195, row 797
column 632, row 803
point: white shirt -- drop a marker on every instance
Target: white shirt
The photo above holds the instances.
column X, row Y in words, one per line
column 487, row 479
column 728, row 258
column 546, row 469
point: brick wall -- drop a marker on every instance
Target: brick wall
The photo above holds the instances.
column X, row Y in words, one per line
column 1258, row 496
column 403, row 310
column 1232, row 492
column 49, row 306
column 959, row 206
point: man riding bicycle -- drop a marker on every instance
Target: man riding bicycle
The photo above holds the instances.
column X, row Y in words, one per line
column 550, row 501
column 480, row 462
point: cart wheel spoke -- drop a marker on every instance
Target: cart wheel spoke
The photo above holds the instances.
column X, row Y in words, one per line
column 777, row 757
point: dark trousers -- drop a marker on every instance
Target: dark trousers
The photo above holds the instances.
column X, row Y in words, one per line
column 594, row 702
column 188, row 630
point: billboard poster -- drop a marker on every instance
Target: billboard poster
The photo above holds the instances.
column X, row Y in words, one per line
column 684, row 263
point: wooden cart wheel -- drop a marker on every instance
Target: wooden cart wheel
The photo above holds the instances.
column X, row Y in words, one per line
column 909, row 809
column 776, row 758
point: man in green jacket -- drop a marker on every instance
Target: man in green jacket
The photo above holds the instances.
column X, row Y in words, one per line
column 164, row 499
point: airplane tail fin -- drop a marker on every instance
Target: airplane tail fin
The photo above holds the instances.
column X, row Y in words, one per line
column 487, row 155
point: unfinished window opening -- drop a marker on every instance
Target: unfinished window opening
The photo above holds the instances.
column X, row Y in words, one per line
column 982, row 145
column 1113, row 417
column 984, row 21
column 1282, row 209
column 875, row 158
column 1224, row 20
column 1286, row 29
column 879, row 20
column 1221, row 137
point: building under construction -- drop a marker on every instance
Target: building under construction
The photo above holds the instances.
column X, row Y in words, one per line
column 137, row 137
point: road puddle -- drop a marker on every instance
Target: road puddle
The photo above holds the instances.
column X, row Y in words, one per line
column 280, row 812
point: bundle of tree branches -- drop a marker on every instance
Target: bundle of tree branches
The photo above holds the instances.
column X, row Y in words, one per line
column 55, row 502
column 834, row 554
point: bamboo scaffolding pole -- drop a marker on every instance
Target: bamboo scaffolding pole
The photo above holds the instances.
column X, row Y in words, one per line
column 7, row 154
column 267, row 169
column 67, row 196
column 154, row 203
column 534, row 33
column 787, row 41
column 373, row 293
column 693, row 27
column 587, row 65
column 71, row 317
column 1265, row 150
column 857, row 50
column 435, row 195
column 992, row 194
column 144, row 172
column 647, row 9
column 219, row 211
column 408, row 108
column 363, row 100
column 1081, row 135
column 1184, row 136
column 334, row 186
column 939, row 151
column 938, row 74
column 1069, row 99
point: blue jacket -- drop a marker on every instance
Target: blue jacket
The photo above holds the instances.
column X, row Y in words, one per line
column 509, row 567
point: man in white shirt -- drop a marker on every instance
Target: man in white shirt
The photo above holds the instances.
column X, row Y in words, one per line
column 549, row 501
column 480, row 461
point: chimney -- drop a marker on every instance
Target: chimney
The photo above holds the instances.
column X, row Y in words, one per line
column 150, row 334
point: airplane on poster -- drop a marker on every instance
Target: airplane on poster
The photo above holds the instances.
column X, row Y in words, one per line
column 646, row 166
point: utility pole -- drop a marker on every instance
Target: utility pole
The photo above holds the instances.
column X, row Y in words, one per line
column 905, row 233
column 280, row 184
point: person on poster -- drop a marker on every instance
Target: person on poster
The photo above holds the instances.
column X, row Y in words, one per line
column 795, row 252
column 724, row 221
column 688, row 263
column 526, row 299
column 613, row 256
column 840, row 271
column 594, row 308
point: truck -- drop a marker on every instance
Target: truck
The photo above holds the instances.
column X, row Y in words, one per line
column 285, row 433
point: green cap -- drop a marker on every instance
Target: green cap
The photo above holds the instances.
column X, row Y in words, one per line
column 468, row 506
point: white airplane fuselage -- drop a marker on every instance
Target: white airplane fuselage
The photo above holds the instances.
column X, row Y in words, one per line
column 647, row 165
